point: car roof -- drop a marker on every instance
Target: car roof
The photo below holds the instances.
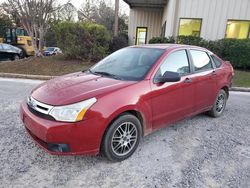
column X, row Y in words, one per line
column 167, row 46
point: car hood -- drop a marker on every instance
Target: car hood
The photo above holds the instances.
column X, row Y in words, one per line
column 76, row 87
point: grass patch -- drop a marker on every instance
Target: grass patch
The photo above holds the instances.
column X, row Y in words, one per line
column 57, row 65
column 241, row 79
column 51, row 66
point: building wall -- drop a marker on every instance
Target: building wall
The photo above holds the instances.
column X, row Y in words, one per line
column 145, row 17
column 214, row 14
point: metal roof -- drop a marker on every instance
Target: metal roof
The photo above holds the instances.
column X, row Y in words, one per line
column 146, row 3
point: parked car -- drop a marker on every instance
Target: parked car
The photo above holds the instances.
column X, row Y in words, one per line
column 8, row 51
column 52, row 51
column 125, row 96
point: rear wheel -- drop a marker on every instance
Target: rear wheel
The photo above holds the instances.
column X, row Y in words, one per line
column 23, row 53
column 219, row 104
column 15, row 57
column 122, row 138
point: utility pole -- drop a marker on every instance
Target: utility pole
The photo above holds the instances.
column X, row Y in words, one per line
column 116, row 17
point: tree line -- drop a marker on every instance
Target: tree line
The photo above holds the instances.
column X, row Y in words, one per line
column 41, row 17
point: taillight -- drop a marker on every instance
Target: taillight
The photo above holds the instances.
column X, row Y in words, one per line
column 229, row 64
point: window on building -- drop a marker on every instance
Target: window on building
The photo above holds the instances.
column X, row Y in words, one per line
column 190, row 27
column 201, row 60
column 237, row 29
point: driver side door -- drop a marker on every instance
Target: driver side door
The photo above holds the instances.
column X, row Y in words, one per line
column 172, row 101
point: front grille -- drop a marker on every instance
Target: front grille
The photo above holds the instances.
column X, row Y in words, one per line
column 40, row 109
column 41, row 115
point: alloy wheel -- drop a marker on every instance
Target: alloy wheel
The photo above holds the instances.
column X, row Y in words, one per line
column 124, row 138
column 220, row 103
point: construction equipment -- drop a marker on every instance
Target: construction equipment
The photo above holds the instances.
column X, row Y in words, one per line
column 18, row 37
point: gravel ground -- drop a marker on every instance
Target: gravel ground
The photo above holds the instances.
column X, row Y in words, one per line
column 197, row 152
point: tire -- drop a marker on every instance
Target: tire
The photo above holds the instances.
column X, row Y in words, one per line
column 122, row 138
column 15, row 57
column 23, row 53
column 219, row 104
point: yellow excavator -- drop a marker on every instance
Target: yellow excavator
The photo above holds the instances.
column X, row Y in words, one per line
column 18, row 37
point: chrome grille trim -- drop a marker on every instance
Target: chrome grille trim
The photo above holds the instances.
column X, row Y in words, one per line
column 38, row 106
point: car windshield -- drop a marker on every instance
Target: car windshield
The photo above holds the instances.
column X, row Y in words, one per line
column 128, row 63
column 50, row 49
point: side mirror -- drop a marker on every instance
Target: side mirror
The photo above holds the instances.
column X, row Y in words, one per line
column 168, row 77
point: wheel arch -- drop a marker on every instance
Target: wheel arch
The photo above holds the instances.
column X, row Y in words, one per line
column 226, row 89
column 133, row 112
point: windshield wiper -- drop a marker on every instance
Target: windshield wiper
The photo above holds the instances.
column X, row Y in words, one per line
column 107, row 74
column 88, row 70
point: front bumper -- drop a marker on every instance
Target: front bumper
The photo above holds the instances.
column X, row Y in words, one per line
column 82, row 137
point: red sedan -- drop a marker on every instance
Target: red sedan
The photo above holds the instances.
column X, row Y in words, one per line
column 124, row 97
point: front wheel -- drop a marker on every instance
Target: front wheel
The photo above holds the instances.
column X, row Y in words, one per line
column 122, row 138
column 219, row 105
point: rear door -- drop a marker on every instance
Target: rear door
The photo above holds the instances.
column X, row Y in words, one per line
column 7, row 51
column 173, row 101
column 204, row 79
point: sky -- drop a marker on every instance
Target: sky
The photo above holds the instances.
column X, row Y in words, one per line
column 124, row 8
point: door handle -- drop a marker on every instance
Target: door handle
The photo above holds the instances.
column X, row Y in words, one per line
column 188, row 80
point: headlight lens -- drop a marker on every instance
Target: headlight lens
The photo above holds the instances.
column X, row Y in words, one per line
column 72, row 113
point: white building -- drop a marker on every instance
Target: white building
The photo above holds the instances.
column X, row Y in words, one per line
column 209, row 19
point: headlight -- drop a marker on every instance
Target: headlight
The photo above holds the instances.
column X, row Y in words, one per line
column 72, row 113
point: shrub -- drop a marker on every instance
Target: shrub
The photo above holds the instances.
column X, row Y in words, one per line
column 237, row 51
column 118, row 42
column 190, row 40
column 100, row 38
column 80, row 40
column 158, row 40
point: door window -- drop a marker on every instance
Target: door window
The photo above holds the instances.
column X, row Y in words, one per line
column 175, row 62
column 201, row 60
column 141, row 35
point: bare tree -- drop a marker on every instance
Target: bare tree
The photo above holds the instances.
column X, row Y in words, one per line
column 34, row 16
column 104, row 13
column 88, row 11
column 67, row 12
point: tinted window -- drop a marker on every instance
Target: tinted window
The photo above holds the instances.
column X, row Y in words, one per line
column 175, row 62
column 128, row 63
column 6, row 46
column 201, row 60
column 217, row 62
column 50, row 49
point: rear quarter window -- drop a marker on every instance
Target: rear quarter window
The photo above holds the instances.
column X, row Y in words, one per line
column 216, row 60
